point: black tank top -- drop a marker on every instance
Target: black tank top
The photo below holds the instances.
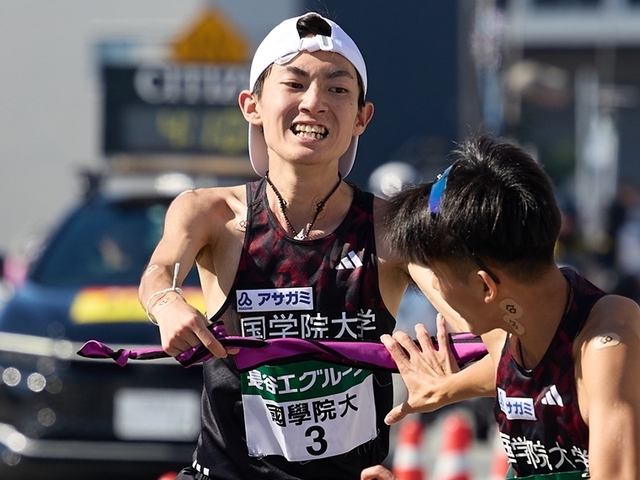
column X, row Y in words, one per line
column 337, row 275
column 537, row 410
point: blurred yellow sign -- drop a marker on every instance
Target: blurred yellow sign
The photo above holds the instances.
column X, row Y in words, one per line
column 118, row 304
column 211, row 38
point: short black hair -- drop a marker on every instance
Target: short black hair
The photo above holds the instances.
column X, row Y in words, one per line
column 498, row 204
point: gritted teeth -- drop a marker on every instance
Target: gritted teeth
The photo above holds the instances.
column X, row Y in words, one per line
column 313, row 131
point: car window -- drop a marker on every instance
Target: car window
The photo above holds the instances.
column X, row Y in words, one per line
column 104, row 244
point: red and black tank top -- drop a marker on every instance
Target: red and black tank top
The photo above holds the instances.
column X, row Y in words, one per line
column 318, row 288
column 537, row 410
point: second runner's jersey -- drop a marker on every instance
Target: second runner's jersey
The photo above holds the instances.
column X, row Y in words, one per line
column 537, row 410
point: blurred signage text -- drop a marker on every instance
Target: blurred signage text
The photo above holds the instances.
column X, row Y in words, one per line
column 174, row 109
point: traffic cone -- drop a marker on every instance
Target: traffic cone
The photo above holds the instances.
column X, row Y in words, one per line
column 407, row 458
column 453, row 461
column 500, row 461
column 168, row 476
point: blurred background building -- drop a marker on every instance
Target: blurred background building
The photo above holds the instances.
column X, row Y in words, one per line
column 569, row 81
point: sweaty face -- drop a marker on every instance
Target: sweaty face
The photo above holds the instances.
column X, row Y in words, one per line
column 309, row 108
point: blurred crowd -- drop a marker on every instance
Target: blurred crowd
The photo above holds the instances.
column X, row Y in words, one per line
column 613, row 262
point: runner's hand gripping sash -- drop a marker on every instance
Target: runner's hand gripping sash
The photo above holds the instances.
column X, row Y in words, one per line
column 466, row 348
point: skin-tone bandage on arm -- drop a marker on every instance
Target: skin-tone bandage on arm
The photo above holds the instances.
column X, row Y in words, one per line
column 606, row 340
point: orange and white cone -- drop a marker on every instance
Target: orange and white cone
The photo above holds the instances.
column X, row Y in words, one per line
column 453, row 462
column 168, row 476
column 407, row 458
column 500, row 461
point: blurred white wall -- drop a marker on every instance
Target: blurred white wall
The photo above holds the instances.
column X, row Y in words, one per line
column 50, row 106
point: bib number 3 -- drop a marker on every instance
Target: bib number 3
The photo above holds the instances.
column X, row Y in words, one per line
column 316, row 433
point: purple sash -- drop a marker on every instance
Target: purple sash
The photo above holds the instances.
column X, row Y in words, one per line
column 254, row 352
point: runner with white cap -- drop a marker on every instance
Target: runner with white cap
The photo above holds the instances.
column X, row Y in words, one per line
column 299, row 253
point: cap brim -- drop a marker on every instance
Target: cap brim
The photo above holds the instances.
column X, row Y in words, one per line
column 258, row 150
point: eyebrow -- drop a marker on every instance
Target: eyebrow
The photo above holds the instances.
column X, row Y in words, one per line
column 334, row 74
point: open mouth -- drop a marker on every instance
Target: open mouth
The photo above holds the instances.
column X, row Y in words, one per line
column 309, row 131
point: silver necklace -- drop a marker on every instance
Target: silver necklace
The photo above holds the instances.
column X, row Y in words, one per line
column 301, row 235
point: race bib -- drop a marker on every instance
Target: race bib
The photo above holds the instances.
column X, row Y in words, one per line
column 307, row 410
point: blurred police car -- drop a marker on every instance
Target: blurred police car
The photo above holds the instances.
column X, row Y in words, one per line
column 62, row 416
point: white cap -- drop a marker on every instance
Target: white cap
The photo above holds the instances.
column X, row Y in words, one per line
column 281, row 46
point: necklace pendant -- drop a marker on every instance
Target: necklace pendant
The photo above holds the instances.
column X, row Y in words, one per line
column 319, row 207
column 303, row 236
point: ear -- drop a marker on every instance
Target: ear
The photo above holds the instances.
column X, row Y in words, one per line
column 249, row 107
column 365, row 114
column 490, row 286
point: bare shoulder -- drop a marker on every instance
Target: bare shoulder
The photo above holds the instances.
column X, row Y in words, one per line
column 607, row 387
column 608, row 348
column 214, row 204
column 393, row 275
column 389, row 262
column 383, row 247
column 210, row 199
column 204, row 215
column 612, row 319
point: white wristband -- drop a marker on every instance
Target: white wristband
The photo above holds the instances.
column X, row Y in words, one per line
column 173, row 288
